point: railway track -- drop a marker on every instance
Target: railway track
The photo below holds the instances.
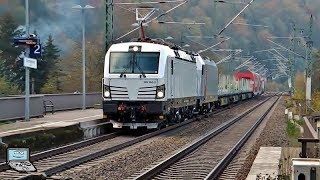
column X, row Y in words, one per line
column 64, row 149
column 51, row 162
column 207, row 157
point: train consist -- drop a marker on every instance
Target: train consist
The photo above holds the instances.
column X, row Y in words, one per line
column 152, row 84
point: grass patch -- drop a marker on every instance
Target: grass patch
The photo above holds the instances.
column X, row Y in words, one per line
column 293, row 133
column 289, row 103
column 6, row 122
column 300, row 121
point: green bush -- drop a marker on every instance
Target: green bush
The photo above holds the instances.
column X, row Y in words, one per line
column 293, row 134
column 8, row 89
column 288, row 103
column 293, row 130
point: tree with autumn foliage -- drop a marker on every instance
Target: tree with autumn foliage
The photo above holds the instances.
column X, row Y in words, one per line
column 11, row 66
column 316, row 71
column 72, row 68
column 49, row 69
column 299, row 86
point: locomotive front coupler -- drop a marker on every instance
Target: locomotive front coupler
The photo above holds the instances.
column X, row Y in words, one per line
column 132, row 112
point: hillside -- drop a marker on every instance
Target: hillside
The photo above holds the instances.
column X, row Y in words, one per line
column 56, row 17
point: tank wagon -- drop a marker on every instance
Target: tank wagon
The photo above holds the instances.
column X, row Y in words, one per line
column 152, row 84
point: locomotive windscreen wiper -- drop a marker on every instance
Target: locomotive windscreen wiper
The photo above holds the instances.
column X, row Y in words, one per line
column 141, row 71
column 124, row 71
column 126, row 68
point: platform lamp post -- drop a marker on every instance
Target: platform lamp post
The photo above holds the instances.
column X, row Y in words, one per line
column 27, row 72
column 83, row 52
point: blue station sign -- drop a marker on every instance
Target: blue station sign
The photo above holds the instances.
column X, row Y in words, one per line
column 35, row 51
column 33, row 43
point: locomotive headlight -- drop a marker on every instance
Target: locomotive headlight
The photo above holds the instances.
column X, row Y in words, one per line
column 106, row 91
column 107, row 94
column 135, row 48
column 160, row 92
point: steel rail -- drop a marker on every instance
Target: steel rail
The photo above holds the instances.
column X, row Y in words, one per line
column 75, row 162
column 64, row 149
column 197, row 143
column 219, row 168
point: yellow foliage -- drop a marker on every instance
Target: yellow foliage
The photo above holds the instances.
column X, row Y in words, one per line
column 316, row 101
column 288, row 102
column 300, row 82
column 299, row 94
column 274, row 86
column 51, row 86
column 94, row 67
column 299, row 85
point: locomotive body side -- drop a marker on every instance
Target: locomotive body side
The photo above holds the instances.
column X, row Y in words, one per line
column 208, row 89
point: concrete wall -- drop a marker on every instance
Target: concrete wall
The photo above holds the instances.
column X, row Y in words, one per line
column 13, row 107
column 72, row 101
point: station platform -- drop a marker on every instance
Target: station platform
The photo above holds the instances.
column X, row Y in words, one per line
column 272, row 162
column 266, row 163
column 50, row 121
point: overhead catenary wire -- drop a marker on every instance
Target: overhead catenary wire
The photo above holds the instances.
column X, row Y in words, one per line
column 162, row 14
column 204, row 46
column 228, row 57
column 244, row 63
column 286, row 49
column 203, row 50
column 255, row 25
column 150, row 2
column 225, row 27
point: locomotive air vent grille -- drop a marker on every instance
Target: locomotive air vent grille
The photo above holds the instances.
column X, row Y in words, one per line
column 119, row 92
column 147, row 92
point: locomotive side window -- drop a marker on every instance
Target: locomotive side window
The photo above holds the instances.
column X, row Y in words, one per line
column 134, row 62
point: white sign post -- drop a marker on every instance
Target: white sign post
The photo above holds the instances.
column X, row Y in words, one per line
column 30, row 63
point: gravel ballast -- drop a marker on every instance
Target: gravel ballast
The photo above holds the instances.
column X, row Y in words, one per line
column 273, row 133
column 131, row 160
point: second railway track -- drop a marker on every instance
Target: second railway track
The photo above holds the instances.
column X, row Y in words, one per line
column 207, row 156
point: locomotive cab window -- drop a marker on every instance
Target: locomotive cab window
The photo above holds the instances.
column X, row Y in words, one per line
column 120, row 62
column 134, row 62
